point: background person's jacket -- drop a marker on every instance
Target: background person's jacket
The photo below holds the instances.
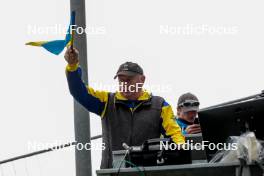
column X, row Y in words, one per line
column 183, row 125
column 124, row 120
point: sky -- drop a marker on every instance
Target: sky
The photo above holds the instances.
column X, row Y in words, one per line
column 210, row 48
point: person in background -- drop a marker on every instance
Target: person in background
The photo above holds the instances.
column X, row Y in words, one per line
column 187, row 109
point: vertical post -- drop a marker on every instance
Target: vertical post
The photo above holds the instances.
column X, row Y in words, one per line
column 81, row 115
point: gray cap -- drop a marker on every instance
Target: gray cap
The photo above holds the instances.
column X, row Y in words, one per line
column 188, row 102
column 129, row 69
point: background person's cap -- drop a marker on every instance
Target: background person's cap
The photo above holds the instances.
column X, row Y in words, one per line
column 129, row 69
column 188, row 102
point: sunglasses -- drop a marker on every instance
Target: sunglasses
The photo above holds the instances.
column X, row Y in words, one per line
column 189, row 104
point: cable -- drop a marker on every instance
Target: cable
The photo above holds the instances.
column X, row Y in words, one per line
column 38, row 152
column 128, row 149
column 142, row 173
column 123, row 160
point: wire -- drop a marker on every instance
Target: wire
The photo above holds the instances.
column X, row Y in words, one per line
column 127, row 151
column 38, row 152
column 142, row 173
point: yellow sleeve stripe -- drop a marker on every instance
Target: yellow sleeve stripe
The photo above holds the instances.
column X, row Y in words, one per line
column 72, row 68
column 103, row 113
column 101, row 95
column 170, row 125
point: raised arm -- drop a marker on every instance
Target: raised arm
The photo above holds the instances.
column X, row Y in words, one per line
column 93, row 101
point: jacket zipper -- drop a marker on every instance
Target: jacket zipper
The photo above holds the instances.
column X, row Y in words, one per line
column 132, row 122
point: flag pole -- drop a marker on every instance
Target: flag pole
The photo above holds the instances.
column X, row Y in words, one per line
column 72, row 27
column 81, row 115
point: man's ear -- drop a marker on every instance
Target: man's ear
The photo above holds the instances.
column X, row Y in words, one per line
column 142, row 78
column 178, row 111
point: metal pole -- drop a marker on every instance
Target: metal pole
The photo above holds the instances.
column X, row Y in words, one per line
column 81, row 115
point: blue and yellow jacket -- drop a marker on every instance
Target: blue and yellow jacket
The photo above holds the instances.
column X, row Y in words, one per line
column 96, row 101
column 183, row 124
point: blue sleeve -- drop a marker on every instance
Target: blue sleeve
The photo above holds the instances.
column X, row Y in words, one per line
column 80, row 93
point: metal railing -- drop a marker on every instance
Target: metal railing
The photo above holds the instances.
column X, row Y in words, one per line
column 44, row 151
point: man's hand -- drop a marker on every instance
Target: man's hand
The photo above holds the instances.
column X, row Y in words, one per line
column 193, row 129
column 72, row 56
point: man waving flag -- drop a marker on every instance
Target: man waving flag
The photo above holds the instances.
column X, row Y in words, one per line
column 57, row 46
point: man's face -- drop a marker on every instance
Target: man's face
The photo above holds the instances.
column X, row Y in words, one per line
column 131, row 86
column 188, row 116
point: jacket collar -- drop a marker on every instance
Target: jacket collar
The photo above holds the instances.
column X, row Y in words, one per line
column 144, row 97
